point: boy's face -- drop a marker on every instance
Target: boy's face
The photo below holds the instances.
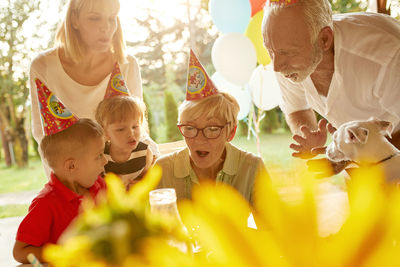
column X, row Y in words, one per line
column 91, row 163
column 125, row 135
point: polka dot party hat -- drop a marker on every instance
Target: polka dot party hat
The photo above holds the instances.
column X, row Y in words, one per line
column 54, row 115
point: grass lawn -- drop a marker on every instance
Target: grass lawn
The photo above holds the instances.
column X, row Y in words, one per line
column 13, row 210
column 281, row 166
column 274, row 148
column 17, row 180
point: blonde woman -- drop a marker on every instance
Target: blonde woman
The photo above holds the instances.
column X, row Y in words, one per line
column 89, row 54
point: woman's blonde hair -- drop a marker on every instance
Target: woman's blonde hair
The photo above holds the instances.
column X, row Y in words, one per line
column 68, row 38
column 317, row 13
column 119, row 108
column 222, row 106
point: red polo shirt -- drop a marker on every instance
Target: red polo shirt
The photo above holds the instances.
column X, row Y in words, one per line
column 52, row 211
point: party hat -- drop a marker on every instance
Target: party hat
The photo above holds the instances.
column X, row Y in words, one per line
column 116, row 85
column 55, row 116
column 199, row 85
column 282, row 2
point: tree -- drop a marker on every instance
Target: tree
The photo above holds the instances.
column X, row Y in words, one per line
column 13, row 83
column 345, row 6
column 152, row 131
column 163, row 54
column 270, row 122
column 171, row 117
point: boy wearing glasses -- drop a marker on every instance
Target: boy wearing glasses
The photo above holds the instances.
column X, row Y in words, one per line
column 208, row 119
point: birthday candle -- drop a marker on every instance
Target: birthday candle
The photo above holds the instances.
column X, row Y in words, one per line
column 33, row 260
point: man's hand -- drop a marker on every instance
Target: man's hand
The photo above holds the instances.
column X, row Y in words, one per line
column 311, row 143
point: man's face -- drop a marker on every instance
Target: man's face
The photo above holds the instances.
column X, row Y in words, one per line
column 288, row 42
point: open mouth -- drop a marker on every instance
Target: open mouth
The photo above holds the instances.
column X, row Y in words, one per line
column 102, row 174
column 132, row 143
column 291, row 76
column 202, row 154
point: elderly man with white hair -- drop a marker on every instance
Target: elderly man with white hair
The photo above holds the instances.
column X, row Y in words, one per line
column 344, row 66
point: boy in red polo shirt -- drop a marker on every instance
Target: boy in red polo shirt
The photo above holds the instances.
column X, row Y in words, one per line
column 77, row 160
column 73, row 148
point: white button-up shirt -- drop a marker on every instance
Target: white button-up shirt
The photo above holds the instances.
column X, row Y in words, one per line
column 366, row 80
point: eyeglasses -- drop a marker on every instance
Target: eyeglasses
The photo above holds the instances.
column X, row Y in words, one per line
column 210, row 132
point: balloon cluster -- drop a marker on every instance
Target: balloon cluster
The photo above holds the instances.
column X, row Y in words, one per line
column 237, row 51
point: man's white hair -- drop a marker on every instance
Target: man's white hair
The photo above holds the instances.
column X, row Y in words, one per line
column 318, row 14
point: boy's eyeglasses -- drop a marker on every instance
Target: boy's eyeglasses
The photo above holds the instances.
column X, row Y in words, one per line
column 210, row 132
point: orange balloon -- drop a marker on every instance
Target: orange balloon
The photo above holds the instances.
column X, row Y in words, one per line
column 256, row 5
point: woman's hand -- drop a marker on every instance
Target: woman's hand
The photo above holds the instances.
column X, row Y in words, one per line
column 311, row 143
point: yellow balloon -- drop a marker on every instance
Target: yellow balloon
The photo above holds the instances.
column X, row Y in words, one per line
column 253, row 32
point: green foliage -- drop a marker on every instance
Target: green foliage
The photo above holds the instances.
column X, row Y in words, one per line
column 345, row 6
column 153, row 132
column 284, row 124
column 13, row 75
column 35, row 147
column 163, row 55
column 13, row 210
column 17, row 180
column 270, row 121
column 242, row 129
column 171, row 117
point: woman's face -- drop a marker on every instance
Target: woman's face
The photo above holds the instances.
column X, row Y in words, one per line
column 96, row 26
column 205, row 152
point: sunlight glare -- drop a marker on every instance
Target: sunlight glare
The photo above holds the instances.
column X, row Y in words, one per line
column 166, row 11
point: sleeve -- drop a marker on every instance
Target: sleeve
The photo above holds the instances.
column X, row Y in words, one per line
column 134, row 78
column 293, row 95
column 388, row 90
column 35, row 227
column 37, row 131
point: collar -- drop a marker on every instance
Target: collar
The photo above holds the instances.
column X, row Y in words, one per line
column 62, row 190
column 378, row 162
column 183, row 168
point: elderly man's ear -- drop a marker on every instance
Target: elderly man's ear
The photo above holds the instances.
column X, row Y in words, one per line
column 325, row 38
column 232, row 133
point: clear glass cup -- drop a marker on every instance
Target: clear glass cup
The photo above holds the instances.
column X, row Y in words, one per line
column 163, row 203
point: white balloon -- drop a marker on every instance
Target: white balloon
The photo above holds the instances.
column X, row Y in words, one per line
column 234, row 56
column 264, row 88
column 222, row 84
column 242, row 96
